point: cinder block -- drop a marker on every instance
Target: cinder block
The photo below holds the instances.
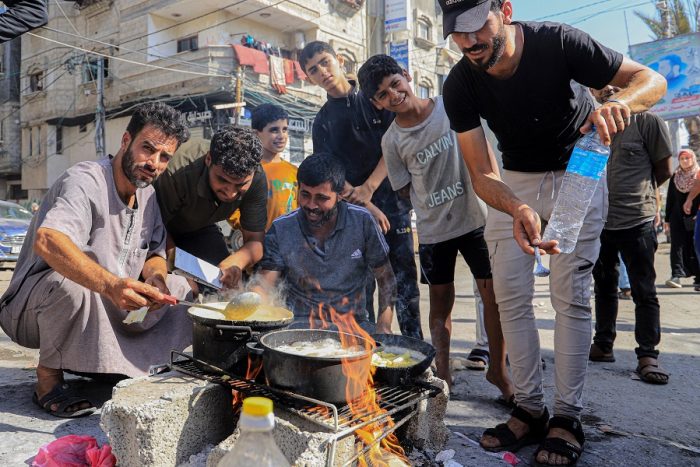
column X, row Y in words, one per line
column 163, row 420
column 426, row 429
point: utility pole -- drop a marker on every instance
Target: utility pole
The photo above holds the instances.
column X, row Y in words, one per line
column 239, row 94
column 100, row 112
column 673, row 125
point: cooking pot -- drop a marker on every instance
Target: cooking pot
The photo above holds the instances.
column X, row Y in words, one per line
column 404, row 375
column 321, row 378
column 221, row 342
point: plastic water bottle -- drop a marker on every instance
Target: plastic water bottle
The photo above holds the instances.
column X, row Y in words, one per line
column 586, row 166
column 255, row 447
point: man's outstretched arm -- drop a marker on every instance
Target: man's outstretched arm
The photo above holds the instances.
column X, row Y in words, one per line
column 387, row 296
column 59, row 252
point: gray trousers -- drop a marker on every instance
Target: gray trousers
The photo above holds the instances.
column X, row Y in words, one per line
column 77, row 329
column 570, row 288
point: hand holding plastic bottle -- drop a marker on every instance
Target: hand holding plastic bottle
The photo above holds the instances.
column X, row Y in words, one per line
column 612, row 117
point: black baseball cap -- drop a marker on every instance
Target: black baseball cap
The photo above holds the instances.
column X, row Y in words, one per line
column 463, row 15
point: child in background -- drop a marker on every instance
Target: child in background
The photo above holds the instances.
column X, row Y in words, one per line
column 270, row 122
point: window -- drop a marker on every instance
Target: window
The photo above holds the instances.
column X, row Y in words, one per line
column 90, row 69
column 36, row 81
column 423, row 30
column 424, row 91
column 348, row 66
column 187, row 44
column 16, row 192
column 59, row 140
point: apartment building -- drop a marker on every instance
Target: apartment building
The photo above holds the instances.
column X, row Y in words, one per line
column 201, row 57
column 10, row 134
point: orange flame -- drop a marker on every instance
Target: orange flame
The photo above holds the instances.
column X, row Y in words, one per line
column 252, row 372
column 359, row 391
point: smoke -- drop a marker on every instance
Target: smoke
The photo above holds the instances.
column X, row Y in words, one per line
column 271, row 295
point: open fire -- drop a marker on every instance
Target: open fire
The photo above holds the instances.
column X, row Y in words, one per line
column 366, row 407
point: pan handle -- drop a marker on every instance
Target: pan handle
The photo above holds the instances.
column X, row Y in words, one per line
column 254, row 348
column 245, row 330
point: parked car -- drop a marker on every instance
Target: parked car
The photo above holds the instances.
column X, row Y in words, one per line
column 14, row 222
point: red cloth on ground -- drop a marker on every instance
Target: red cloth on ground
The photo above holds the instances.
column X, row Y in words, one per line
column 251, row 57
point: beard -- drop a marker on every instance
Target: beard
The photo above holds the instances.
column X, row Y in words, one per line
column 498, row 45
column 130, row 169
column 324, row 216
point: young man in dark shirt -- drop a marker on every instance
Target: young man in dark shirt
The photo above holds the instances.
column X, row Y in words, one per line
column 640, row 160
column 205, row 184
column 350, row 129
column 523, row 79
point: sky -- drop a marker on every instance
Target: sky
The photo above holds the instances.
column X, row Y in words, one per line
column 602, row 19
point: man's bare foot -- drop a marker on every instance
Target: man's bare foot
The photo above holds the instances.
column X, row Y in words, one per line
column 499, row 377
column 47, row 379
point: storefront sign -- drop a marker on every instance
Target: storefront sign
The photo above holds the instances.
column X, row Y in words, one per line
column 193, row 117
column 299, row 124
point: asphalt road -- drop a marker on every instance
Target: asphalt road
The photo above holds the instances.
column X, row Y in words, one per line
column 627, row 422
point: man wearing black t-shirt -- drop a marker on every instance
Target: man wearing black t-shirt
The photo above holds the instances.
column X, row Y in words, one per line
column 525, row 79
column 350, row 128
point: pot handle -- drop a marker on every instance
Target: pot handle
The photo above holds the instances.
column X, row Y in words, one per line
column 236, row 329
column 253, row 347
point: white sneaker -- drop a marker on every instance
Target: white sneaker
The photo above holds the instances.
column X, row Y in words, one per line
column 674, row 283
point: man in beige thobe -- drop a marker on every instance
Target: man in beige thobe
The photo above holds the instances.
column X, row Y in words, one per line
column 94, row 251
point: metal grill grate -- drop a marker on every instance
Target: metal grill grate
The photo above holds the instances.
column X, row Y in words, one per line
column 339, row 419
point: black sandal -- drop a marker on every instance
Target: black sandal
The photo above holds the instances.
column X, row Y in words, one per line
column 478, row 360
column 507, row 439
column 561, row 446
column 63, row 395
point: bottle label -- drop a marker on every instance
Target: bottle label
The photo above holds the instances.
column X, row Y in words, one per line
column 587, row 163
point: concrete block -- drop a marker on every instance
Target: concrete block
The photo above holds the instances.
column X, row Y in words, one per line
column 163, row 420
column 426, row 429
column 302, row 442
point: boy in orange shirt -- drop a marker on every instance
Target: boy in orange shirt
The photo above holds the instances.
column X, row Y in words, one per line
column 270, row 123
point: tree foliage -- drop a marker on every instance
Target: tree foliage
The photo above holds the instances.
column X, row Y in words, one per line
column 684, row 18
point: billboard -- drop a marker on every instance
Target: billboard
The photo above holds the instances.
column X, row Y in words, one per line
column 396, row 15
column 676, row 59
